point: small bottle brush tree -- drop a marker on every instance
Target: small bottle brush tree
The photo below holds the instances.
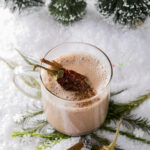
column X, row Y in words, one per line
column 22, row 4
column 125, row 12
column 67, row 11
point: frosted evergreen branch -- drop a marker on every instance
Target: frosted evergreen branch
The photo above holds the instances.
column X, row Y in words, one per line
column 41, row 124
column 116, row 110
column 131, row 121
column 49, row 144
column 51, row 136
column 30, row 115
column 127, row 134
column 33, row 114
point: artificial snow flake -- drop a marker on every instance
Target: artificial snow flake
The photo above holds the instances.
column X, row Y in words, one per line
column 18, row 118
column 138, row 132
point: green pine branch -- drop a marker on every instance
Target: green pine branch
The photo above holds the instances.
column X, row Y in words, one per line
column 49, row 144
column 38, row 127
column 116, row 110
column 51, row 136
column 32, row 112
column 127, row 134
column 30, row 115
column 132, row 122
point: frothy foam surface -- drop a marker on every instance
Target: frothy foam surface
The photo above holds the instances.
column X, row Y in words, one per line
column 87, row 65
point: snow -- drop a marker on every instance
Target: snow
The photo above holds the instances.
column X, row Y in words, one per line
column 36, row 32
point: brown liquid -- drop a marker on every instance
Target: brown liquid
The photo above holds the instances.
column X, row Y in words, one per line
column 71, row 116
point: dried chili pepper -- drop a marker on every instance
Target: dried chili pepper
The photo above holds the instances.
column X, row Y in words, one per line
column 73, row 81
column 69, row 79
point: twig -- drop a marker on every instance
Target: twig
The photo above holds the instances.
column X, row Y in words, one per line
column 127, row 134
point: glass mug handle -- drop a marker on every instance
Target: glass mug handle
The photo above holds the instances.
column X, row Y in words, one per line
column 25, row 79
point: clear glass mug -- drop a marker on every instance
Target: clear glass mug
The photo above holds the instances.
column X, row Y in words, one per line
column 73, row 117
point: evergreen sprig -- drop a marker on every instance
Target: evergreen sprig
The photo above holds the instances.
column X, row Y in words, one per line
column 51, row 136
column 132, row 122
column 39, row 125
column 116, row 110
column 49, row 143
column 30, row 115
column 127, row 134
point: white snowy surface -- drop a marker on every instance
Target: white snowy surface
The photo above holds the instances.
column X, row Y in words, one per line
column 35, row 33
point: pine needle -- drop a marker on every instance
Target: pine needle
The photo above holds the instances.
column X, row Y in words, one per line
column 11, row 64
column 116, row 110
column 51, row 136
column 127, row 134
column 118, row 92
column 49, row 144
column 103, row 141
column 38, row 127
column 132, row 122
column 24, row 57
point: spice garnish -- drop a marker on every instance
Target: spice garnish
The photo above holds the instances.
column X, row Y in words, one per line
column 68, row 79
column 77, row 146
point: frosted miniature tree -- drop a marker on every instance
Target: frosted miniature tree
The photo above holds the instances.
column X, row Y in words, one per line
column 126, row 12
column 67, row 11
column 22, row 4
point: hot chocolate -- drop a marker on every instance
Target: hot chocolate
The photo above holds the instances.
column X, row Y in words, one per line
column 68, row 111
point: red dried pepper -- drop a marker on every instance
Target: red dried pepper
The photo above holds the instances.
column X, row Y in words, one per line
column 69, row 79
column 73, row 81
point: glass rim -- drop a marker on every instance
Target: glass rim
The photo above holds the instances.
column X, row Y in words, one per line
column 86, row 100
